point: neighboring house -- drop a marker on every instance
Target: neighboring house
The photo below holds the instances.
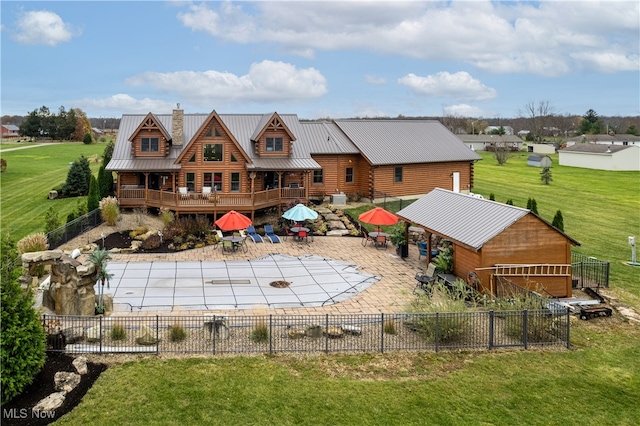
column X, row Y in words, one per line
column 539, row 161
column 198, row 163
column 9, row 131
column 491, row 238
column 97, row 132
column 541, row 148
column 508, row 130
column 601, row 157
column 621, row 139
column 481, row 142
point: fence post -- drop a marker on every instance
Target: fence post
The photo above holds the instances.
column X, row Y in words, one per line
column 382, row 332
column 525, row 328
column 568, row 329
column 437, row 329
column 326, row 333
column 213, row 335
column 491, row 326
column 100, row 329
column 270, row 334
column 157, row 335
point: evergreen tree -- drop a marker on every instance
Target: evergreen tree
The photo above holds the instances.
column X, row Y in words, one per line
column 78, row 178
column 93, row 201
column 509, row 202
column 87, row 139
column 108, row 152
column 492, row 197
column 558, row 222
column 51, row 220
column 105, row 182
column 528, row 203
column 22, row 337
column 545, row 175
column 534, row 206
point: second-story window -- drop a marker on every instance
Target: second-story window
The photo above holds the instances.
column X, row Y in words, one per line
column 235, row 182
column 149, row 145
column 397, row 175
column 212, row 152
column 274, row 145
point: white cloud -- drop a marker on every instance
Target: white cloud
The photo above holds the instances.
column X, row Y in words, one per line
column 266, row 81
column 126, row 104
column 374, row 79
column 459, row 85
column 42, row 27
column 464, row 110
column 544, row 38
column 609, row 62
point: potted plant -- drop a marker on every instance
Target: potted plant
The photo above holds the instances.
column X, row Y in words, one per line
column 398, row 238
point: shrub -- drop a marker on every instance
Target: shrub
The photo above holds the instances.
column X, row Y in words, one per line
column 109, row 210
column 177, row 333
column 78, row 178
column 492, row 197
column 33, row 242
column 118, row 332
column 51, row 220
column 444, row 261
column 260, row 332
column 93, row 201
column 22, row 337
column 105, row 182
column 141, row 230
column 389, row 327
column 153, row 242
column 3, row 165
column 558, row 222
column 88, row 139
column 166, row 216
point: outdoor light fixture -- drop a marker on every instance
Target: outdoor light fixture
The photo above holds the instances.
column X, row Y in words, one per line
column 632, row 243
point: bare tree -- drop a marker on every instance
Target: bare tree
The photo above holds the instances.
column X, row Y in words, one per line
column 540, row 115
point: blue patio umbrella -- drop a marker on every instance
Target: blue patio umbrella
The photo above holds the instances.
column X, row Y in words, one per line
column 300, row 213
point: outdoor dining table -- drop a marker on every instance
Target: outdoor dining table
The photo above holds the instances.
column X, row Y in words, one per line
column 234, row 239
column 376, row 234
column 297, row 229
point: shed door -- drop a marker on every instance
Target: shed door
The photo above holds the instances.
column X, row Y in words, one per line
column 456, row 181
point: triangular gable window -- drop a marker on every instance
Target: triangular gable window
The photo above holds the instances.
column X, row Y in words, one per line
column 192, row 159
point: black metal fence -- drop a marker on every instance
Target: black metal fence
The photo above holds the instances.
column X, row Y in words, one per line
column 72, row 229
column 589, row 272
column 384, row 199
column 216, row 334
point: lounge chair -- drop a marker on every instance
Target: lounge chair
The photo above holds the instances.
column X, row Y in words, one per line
column 251, row 232
column 206, row 192
column 426, row 280
column 183, row 191
column 270, row 235
column 422, row 249
column 219, row 234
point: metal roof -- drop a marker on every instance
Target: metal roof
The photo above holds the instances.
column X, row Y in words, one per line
column 595, row 148
column 490, row 138
column 463, row 218
column 284, row 164
column 405, row 141
column 325, row 137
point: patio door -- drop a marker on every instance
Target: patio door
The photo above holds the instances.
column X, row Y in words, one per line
column 271, row 180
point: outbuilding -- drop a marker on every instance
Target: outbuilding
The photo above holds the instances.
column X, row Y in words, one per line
column 542, row 161
column 601, row 157
column 493, row 239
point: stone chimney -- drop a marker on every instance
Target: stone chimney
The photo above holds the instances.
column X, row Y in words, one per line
column 177, row 128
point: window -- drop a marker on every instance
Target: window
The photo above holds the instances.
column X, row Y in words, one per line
column 214, row 180
column 218, row 133
column 274, row 145
column 149, row 145
column 348, row 177
column 397, row 175
column 317, row 176
column 191, row 181
column 233, row 159
column 212, row 152
column 208, row 133
column 192, row 159
column 235, row 182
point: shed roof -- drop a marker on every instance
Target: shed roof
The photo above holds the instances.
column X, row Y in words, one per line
column 405, row 141
column 596, row 148
column 464, row 219
column 490, row 138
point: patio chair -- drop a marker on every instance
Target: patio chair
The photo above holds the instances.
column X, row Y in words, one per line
column 381, row 241
column 227, row 247
column 242, row 245
column 184, row 192
column 270, row 235
column 366, row 238
column 206, row 192
column 303, row 236
column 422, row 249
column 288, row 233
column 243, row 233
column 251, row 232
column 219, row 234
column 426, row 280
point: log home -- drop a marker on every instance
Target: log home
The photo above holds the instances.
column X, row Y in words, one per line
column 198, row 163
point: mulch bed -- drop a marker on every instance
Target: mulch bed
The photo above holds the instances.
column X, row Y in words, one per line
column 123, row 240
column 18, row 410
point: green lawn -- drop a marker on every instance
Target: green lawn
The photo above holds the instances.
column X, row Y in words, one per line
column 31, row 173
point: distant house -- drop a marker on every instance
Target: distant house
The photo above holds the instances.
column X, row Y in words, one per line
column 199, row 163
column 493, row 239
column 601, row 157
column 97, row 132
column 622, row 139
column 481, row 142
column 9, row 131
column 542, row 161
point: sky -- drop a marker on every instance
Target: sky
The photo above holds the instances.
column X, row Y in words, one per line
column 318, row 59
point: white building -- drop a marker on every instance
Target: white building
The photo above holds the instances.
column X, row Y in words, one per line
column 601, row 157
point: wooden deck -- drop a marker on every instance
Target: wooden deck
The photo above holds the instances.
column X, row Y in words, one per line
column 195, row 202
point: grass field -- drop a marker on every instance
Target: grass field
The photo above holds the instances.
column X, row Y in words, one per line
column 31, row 173
column 596, row 382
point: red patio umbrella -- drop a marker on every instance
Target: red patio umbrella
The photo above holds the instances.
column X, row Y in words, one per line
column 232, row 221
column 378, row 217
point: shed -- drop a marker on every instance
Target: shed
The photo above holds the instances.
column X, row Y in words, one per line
column 601, row 157
column 491, row 238
column 542, row 161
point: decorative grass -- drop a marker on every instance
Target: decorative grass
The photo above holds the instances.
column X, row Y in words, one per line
column 33, row 172
column 118, row 332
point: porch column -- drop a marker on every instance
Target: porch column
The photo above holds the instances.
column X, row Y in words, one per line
column 146, row 187
column 428, row 235
column 118, row 185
